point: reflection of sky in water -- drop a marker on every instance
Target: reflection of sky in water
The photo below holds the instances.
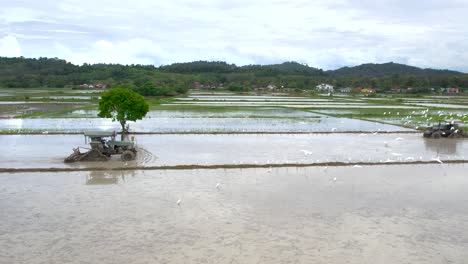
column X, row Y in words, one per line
column 170, row 124
column 301, row 105
column 16, row 123
column 445, row 106
column 257, row 112
column 66, row 97
column 263, row 103
column 238, row 149
column 256, row 99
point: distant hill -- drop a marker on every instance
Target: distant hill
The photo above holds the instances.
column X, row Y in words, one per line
column 290, row 67
column 175, row 78
column 387, row 69
column 199, row 67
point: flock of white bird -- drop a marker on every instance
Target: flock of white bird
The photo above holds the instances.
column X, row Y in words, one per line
column 426, row 117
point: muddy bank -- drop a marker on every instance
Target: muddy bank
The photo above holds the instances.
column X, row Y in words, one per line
column 358, row 165
column 377, row 214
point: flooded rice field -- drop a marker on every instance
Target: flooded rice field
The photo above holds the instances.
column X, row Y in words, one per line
column 252, row 99
column 27, row 151
column 454, row 106
column 13, row 109
column 222, row 178
column 260, row 103
column 244, row 112
column 380, row 214
column 58, row 97
column 249, row 97
column 198, row 124
column 298, row 105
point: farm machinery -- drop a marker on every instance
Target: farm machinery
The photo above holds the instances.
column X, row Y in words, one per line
column 102, row 146
column 445, row 129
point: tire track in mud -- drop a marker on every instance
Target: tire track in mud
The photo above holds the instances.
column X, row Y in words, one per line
column 229, row 166
column 144, row 156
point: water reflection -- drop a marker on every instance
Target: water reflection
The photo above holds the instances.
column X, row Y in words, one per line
column 200, row 124
column 442, row 146
column 107, row 177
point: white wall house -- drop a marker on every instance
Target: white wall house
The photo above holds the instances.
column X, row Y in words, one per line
column 345, row 90
column 323, row 87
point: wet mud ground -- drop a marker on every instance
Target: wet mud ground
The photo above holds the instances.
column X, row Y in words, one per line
column 375, row 214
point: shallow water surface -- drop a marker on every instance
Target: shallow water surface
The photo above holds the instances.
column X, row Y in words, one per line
column 383, row 214
column 28, row 151
column 308, row 122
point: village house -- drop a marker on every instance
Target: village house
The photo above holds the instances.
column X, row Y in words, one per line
column 345, row 90
column 93, row 85
column 259, row 89
column 394, row 90
column 364, row 90
column 271, row 87
column 453, row 90
column 196, row 85
column 323, row 87
column 367, row 90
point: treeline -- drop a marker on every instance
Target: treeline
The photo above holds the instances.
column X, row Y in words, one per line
column 178, row 77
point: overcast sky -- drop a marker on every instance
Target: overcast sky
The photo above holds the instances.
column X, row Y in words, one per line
column 326, row 33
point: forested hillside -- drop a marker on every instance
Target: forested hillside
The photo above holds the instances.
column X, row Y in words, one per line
column 178, row 77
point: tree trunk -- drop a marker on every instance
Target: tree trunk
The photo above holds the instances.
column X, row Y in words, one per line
column 124, row 132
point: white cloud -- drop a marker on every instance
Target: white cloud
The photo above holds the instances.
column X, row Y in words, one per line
column 322, row 33
column 21, row 14
column 134, row 51
column 9, row 47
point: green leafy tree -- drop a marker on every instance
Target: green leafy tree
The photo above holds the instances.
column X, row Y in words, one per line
column 236, row 87
column 122, row 105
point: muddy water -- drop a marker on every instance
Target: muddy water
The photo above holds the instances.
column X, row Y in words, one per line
column 394, row 214
column 198, row 124
column 45, row 151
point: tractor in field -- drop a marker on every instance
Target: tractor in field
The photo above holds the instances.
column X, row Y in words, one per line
column 444, row 129
column 102, row 146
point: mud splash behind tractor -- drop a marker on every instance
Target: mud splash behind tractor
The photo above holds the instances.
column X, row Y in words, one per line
column 102, row 146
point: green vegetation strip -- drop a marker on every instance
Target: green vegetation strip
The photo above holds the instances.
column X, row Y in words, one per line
column 227, row 166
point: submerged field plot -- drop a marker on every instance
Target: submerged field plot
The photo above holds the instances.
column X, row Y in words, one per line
column 280, row 215
column 227, row 178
